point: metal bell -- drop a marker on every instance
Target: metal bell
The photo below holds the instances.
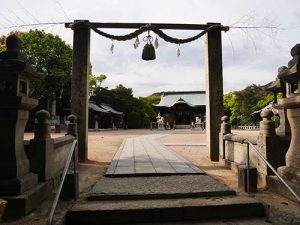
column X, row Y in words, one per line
column 148, row 52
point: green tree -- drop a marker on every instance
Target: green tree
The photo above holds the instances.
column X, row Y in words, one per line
column 229, row 106
column 51, row 54
column 138, row 111
column 265, row 101
column 152, row 99
column 134, row 120
column 239, row 105
column 95, row 82
column 146, row 103
column 47, row 53
column 121, row 90
column 2, row 43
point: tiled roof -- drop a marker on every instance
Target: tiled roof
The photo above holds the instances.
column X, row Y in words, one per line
column 94, row 107
column 110, row 109
column 191, row 98
column 104, row 108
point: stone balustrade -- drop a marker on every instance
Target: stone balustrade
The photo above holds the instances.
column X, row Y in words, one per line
column 48, row 155
column 268, row 143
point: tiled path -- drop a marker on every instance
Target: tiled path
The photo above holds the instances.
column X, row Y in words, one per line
column 146, row 155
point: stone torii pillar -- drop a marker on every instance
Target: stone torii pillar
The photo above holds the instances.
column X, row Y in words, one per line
column 214, row 89
column 79, row 84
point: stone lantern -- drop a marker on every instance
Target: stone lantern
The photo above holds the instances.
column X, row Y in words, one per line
column 291, row 77
column 278, row 86
column 15, row 77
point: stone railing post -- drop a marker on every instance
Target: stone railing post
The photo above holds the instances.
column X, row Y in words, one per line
column 72, row 126
column 72, row 130
column 42, row 127
column 225, row 125
column 41, row 146
column 225, row 129
column 267, row 125
column 267, row 144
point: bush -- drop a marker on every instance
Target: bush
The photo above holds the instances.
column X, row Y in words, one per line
column 134, row 120
column 146, row 121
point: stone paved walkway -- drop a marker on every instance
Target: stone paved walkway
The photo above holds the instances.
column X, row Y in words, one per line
column 146, row 155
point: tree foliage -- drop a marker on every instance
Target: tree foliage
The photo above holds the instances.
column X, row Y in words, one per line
column 47, row 53
column 239, row 105
column 138, row 111
column 95, row 82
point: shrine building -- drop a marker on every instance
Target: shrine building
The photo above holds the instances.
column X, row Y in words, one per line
column 180, row 108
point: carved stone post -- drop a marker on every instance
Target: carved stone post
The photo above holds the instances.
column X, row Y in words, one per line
column 225, row 129
column 42, row 127
column 267, row 144
column 42, row 146
column 72, row 126
column 72, row 130
column 267, row 125
column 225, row 125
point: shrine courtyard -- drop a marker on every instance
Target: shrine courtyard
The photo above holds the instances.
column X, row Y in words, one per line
column 190, row 144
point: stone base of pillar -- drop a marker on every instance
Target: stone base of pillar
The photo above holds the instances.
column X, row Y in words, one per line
column 16, row 186
column 242, row 179
column 161, row 126
column 21, row 205
column 70, row 189
column 275, row 185
column 290, row 174
column 198, row 126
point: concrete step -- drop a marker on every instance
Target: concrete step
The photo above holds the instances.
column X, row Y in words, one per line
column 163, row 210
column 184, row 186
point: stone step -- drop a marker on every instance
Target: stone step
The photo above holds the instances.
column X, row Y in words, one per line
column 21, row 205
column 183, row 126
column 163, row 210
column 175, row 186
column 247, row 221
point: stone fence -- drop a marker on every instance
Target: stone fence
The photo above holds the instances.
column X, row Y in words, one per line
column 246, row 127
column 273, row 147
column 48, row 155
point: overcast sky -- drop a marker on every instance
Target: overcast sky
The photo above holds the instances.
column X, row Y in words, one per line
column 249, row 55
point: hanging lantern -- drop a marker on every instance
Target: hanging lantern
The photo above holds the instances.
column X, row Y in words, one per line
column 149, row 50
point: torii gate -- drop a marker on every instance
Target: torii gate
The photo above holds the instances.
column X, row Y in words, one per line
column 213, row 78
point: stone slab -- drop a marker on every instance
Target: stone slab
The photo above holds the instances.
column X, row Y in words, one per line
column 185, row 144
column 158, row 187
column 139, row 211
column 275, row 185
column 146, row 155
column 248, row 221
column 21, row 205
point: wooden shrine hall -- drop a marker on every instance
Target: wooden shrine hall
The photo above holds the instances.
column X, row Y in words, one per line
column 182, row 108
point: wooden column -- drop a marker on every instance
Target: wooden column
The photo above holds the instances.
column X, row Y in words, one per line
column 214, row 90
column 79, row 92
